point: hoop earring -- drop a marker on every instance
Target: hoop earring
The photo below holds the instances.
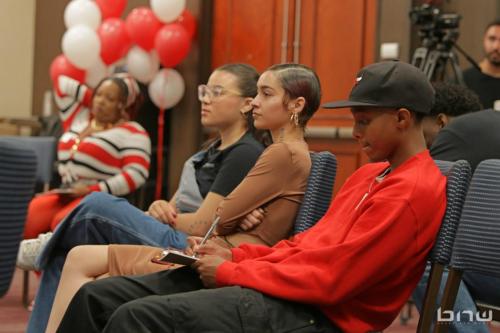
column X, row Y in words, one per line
column 294, row 118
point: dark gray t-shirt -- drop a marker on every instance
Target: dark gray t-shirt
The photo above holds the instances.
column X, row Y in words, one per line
column 485, row 86
column 473, row 137
column 220, row 171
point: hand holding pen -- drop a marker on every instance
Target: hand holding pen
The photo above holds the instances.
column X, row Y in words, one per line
column 213, row 256
column 194, row 247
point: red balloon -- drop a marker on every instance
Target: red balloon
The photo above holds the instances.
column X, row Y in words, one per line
column 111, row 8
column 61, row 66
column 188, row 21
column 172, row 43
column 115, row 41
column 142, row 26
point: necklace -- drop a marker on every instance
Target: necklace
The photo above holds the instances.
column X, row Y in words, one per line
column 94, row 126
column 99, row 127
column 377, row 180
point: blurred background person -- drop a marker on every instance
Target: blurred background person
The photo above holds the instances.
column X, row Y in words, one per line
column 103, row 151
column 486, row 83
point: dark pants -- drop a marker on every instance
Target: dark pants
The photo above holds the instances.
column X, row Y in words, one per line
column 175, row 301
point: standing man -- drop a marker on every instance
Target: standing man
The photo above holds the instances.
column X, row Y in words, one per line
column 486, row 83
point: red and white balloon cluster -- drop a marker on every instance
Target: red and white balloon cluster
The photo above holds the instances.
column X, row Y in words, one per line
column 97, row 39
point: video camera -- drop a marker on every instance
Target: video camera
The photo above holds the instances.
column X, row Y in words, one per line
column 435, row 27
column 438, row 35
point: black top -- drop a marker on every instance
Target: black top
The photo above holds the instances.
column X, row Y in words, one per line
column 220, row 171
column 485, row 86
column 473, row 137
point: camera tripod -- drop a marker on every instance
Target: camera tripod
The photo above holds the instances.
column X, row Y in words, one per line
column 433, row 62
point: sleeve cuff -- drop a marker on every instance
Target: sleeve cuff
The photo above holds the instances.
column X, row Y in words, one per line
column 224, row 273
column 238, row 254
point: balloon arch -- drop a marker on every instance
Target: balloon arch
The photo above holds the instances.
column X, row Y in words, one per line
column 97, row 40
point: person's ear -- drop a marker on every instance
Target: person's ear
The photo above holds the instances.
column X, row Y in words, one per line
column 296, row 105
column 442, row 120
column 404, row 118
column 246, row 106
column 125, row 115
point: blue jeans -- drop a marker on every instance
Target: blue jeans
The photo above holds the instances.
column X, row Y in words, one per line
column 99, row 219
column 476, row 287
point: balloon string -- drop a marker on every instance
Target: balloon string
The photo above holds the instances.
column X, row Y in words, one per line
column 159, row 156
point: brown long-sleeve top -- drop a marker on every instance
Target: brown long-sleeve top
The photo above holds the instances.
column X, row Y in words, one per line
column 276, row 183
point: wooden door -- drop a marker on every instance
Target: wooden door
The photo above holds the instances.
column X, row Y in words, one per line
column 335, row 37
column 247, row 31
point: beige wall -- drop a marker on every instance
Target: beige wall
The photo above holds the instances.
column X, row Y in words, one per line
column 17, row 20
column 394, row 26
column 49, row 29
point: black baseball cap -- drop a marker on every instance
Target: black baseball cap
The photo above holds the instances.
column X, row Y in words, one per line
column 390, row 84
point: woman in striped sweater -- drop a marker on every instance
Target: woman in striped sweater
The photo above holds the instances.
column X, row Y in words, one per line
column 100, row 150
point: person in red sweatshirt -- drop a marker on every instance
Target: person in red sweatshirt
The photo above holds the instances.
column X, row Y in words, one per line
column 351, row 272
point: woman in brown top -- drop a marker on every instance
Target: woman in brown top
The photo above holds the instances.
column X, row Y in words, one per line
column 287, row 97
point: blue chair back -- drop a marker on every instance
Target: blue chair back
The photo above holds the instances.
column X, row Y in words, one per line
column 477, row 242
column 477, row 245
column 319, row 189
column 17, row 180
column 45, row 150
column 458, row 178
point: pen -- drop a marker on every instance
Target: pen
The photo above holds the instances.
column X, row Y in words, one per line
column 209, row 232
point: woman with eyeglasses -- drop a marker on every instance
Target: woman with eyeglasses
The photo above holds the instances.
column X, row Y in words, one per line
column 263, row 206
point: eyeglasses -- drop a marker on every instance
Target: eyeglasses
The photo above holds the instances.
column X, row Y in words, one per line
column 215, row 92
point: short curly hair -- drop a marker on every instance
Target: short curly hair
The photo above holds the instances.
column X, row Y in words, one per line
column 454, row 100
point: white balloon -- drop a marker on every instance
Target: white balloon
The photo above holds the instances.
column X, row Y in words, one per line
column 167, row 88
column 81, row 45
column 141, row 64
column 167, row 10
column 96, row 73
column 82, row 12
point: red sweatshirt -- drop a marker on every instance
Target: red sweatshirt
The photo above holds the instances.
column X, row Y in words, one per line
column 363, row 259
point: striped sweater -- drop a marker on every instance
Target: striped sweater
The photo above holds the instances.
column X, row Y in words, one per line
column 115, row 161
column 73, row 100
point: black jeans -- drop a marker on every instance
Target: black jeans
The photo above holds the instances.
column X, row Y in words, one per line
column 175, row 301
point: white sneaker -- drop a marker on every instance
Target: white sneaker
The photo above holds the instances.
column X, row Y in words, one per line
column 29, row 249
